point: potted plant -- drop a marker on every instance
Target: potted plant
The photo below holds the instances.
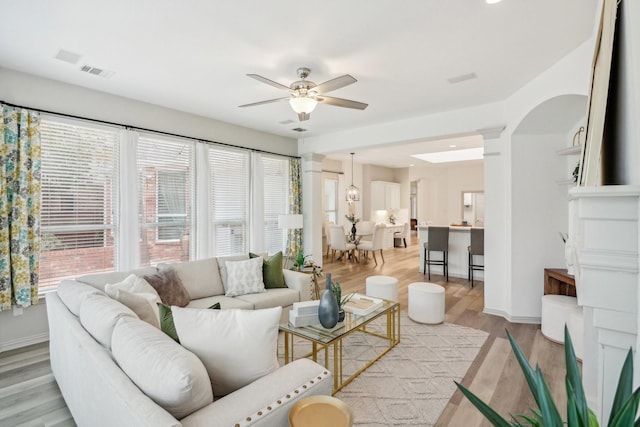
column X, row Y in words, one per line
column 300, row 260
column 623, row 410
column 336, row 289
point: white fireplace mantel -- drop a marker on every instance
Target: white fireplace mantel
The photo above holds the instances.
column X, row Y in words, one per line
column 604, row 244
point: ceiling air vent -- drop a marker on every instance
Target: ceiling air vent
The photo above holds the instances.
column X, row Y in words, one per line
column 286, row 122
column 67, row 56
column 97, row 71
column 462, row 78
column 299, row 129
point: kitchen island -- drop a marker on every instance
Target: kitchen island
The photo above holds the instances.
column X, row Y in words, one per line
column 459, row 240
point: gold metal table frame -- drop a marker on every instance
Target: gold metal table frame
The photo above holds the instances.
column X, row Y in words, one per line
column 332, row 340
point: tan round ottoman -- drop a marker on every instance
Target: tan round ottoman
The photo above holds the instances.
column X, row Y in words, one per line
column 385, row 287
column 426, row 302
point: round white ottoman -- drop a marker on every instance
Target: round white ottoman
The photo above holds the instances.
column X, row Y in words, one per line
column 426, row 302
column 576, row 330
column 385, row 287
column 555, row 314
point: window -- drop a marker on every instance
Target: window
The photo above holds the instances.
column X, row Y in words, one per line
column 276, row 194
column 79, row 197
column 229, row 200
column 331, row 200
column 164, row 184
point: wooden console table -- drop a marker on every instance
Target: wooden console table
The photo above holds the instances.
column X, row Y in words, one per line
column 558, row 282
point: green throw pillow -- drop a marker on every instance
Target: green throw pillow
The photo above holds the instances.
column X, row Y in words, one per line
column 272, row 274
column 166, row 320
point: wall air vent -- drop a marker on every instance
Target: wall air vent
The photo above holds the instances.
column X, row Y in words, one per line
column 299, row 129
column 97, row 71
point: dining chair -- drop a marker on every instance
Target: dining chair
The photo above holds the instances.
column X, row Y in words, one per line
column 375, row 244
column 475, row 248
column 437, row 241
column 364, row 230
column 327, row 235
column 339, row 241
column 401, row 235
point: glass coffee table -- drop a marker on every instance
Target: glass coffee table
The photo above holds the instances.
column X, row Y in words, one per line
column 331, row 340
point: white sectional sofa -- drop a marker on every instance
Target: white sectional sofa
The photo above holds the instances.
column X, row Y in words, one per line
column 148, row 379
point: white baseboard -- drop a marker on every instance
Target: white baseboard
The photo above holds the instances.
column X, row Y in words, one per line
column 513, row 319
column 24, row 341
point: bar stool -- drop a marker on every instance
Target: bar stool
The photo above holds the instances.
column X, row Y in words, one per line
column 475, row 248
column 438, row 241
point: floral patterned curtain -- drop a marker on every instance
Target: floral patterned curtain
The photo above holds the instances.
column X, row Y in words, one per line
column 294, row 237
column 19, row 206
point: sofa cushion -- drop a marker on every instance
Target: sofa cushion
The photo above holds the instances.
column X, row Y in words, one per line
column 272, row 274
column 138, row 295
column 244, row 277
column 236, row 346
column 99, row 315
column 169, row 286
column 201, row 278
column 169, row 374
column 74, row 293
column 225, row 303
column 166, row 320
column 222, row 266
column 272, row 298
column 99, row 280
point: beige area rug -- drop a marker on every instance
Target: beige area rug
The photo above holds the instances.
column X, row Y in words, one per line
column 412, row 384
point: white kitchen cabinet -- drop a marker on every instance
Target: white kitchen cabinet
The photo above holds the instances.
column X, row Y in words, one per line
column 385, row 195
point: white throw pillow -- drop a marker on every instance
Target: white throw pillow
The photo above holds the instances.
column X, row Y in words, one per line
column 137, row 294
column 165, row 371
column 244, row 277
column 236, row 346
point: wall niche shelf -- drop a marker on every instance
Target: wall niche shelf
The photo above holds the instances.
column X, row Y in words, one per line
column 570, row 150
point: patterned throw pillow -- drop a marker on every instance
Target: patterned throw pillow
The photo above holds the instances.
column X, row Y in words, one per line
column 272, row 274
column 244, row 277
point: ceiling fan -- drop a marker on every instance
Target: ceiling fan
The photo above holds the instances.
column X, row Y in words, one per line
column 304, row 94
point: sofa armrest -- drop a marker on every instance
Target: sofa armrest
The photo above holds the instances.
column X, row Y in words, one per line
column 302, row 282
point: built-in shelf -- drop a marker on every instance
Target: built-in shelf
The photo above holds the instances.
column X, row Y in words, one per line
column 565, row 182
column 570, row 150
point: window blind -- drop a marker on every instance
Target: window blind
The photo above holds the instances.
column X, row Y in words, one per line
column 79, row 199
column 276, row 192
column 229, row 200
column 165, row 189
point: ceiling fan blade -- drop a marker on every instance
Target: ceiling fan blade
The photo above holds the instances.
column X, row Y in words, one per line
column 304, row 116
column 264, row 102
column 334, row 84
column 269, row 82
column 340, row 102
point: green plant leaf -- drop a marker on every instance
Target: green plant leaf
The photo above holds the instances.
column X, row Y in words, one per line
column 625, row 385
column 530, row 376
column 574, row 379
column 489, row 413
column 550, row 415
column 572, row 409
column 593, row 420
column 626, row 415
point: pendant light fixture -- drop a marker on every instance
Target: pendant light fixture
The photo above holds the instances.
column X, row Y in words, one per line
column 353, row 192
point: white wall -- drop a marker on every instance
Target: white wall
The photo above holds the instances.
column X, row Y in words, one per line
column 36, row 92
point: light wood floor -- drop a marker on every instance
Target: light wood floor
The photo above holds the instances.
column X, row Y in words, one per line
column 30, row 397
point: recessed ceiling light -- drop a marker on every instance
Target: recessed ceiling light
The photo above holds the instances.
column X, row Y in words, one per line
column 453, row 146
column 493, row 1
column 411, row 165
column 451, row 156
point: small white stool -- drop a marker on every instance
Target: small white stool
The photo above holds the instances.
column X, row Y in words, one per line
column 426, row 302
column 576, row 330
column 385, row 287
column 556, row 310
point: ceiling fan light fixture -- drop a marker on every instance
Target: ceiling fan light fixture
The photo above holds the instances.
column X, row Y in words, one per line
column 303, row 104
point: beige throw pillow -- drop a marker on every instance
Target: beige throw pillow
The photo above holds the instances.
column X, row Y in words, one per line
column 236, row 346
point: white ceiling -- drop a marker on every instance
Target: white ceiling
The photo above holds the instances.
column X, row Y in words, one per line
column 194, row 56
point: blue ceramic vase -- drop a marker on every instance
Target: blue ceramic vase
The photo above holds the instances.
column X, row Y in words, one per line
column 328, row 308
